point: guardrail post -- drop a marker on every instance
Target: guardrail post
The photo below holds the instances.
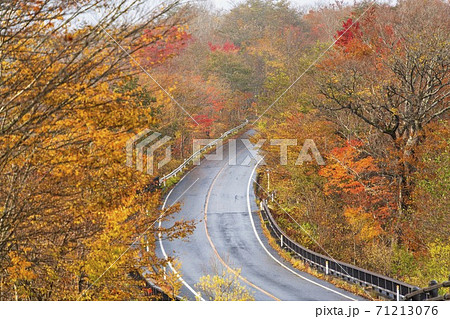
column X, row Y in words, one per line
column 416, row 297
column 433, row 293
column 326, row 267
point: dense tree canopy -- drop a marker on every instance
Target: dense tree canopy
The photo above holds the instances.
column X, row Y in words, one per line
column 77, row 80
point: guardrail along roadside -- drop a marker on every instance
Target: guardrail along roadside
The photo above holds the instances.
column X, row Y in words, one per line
column 385, row 286
column 191, row 158
column 430, row 293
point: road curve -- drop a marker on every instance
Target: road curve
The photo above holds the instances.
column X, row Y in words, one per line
column 228, row 233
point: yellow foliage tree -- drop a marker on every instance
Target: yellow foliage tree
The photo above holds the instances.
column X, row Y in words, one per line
column 72, row 217
column 223, row 286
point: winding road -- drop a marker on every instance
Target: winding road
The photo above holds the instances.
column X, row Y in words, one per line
column 220, row 197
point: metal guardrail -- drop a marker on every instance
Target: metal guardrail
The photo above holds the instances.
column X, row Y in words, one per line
column 154, row 290
column 386, row 286
column 151, row 289
column 430, row 293
column 199, row 152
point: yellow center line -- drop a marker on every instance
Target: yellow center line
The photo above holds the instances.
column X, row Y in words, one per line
column 214, row 247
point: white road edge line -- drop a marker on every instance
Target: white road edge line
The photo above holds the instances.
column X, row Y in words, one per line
column 264, row 247
column 162, row 246
column 164, row 251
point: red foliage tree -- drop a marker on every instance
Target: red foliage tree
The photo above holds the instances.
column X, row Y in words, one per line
column 354, row 178
column 227, row 47
column 163, row 44
column 350, row 32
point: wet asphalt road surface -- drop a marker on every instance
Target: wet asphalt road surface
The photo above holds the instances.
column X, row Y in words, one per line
column 230, row 236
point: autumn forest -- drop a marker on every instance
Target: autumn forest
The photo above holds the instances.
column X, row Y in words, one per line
column 367, row 81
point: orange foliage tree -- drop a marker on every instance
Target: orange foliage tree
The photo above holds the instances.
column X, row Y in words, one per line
column 72, row 219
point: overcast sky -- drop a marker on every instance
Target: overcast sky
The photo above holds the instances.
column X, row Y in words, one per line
column 227, row 4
